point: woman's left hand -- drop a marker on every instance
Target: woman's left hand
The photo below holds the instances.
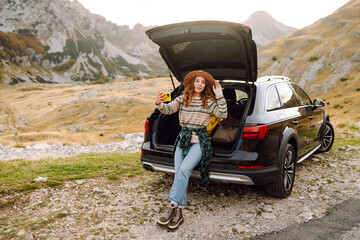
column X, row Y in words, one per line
column 217, row 89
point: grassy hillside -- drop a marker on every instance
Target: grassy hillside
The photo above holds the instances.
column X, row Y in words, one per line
column 324, row 58
column 69, row 113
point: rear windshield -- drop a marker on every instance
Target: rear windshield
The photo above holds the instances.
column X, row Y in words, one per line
column 218, row 53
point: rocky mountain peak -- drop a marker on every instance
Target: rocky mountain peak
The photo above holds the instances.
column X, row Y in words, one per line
column 265, row 28
column 261, row 16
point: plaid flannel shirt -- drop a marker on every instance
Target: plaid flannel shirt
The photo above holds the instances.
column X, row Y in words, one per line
column 183, row 141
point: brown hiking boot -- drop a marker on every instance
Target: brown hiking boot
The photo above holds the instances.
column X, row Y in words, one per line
column 177, row 219
column 167, row 216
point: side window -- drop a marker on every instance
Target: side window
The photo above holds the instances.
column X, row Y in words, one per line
column 272, row 99
column 287, row 96
column 303, row 97
column 240, row 94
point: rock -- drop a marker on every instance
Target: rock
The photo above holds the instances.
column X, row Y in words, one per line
column 98, row 190
column 100, row 214
column 268, row 208
column 1, row 147
column 268, row 215
column 316, row 159
column 20, row 233
column 64, row 213
column 306, row 215
column 41, row 146
column 102, row 117
column 241, row 229
column 76, row 128
column 79, row 182
column 90, row 237
column 113, row 136
column 41, row 179
column 29, row 237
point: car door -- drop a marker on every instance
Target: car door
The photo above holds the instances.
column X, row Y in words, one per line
column 296, row 116
column 314, row 117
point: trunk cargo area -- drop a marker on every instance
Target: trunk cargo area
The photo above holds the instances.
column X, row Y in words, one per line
column 167, row 127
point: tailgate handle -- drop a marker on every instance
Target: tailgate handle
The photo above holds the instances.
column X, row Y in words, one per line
column 295, row 122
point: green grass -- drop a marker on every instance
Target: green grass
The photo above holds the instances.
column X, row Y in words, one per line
column 19, row 175
column 340, row 142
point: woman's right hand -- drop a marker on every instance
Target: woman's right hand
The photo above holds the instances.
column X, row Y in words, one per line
column 160, row 98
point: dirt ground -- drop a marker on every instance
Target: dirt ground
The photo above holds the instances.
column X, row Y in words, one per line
column 128, row 208
column 76, row 113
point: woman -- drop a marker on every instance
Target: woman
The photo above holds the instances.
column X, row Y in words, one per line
column 192, row 146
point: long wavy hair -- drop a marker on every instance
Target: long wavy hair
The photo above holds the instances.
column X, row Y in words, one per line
column 206, row 94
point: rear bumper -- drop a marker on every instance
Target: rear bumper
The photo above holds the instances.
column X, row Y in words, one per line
column 221, row 169
column 214, row 176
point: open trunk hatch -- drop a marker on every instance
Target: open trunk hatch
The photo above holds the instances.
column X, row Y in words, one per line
column 224, row 49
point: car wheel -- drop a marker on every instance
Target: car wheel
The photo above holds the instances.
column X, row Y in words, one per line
column 328, row 140
column 285, row 180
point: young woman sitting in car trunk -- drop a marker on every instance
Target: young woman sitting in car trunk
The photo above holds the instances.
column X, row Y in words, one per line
column 192, row 146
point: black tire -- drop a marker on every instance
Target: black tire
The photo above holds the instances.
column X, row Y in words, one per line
column 328, row 138
column 286, row 177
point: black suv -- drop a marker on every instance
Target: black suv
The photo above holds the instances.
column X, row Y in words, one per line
column 278, row 124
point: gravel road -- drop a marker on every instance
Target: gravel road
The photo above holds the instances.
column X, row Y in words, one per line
column 128, row 208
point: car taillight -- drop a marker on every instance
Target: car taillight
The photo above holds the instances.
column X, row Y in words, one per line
column 256, row 132
column 147, row 129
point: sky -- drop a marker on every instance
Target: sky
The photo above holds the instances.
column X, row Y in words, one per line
column 298, row 14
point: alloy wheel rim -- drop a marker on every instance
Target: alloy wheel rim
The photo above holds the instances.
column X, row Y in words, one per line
column 289, row 169
column 328, row 137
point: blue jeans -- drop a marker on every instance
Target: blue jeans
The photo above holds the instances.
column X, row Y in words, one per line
column 183, row 169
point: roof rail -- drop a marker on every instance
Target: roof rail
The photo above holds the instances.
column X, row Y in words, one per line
column 271, row 78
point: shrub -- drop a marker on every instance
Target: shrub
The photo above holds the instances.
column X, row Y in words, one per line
column 26, row 32
column 94, row 64
column 274, row 58
column 84, row 46
column 343, row 79
column 3, row 54
column 70, row 48
column 41, row 80
column 16, row 80
column 34, row 44
column 19, row 145
column 354, row 127
column 312, row 59
column 338, row 106
column 101, row 80
column 16, row 44
column 66, row 66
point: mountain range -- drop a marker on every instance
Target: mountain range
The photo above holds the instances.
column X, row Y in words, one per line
column 324, row 59
column 61, row 41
